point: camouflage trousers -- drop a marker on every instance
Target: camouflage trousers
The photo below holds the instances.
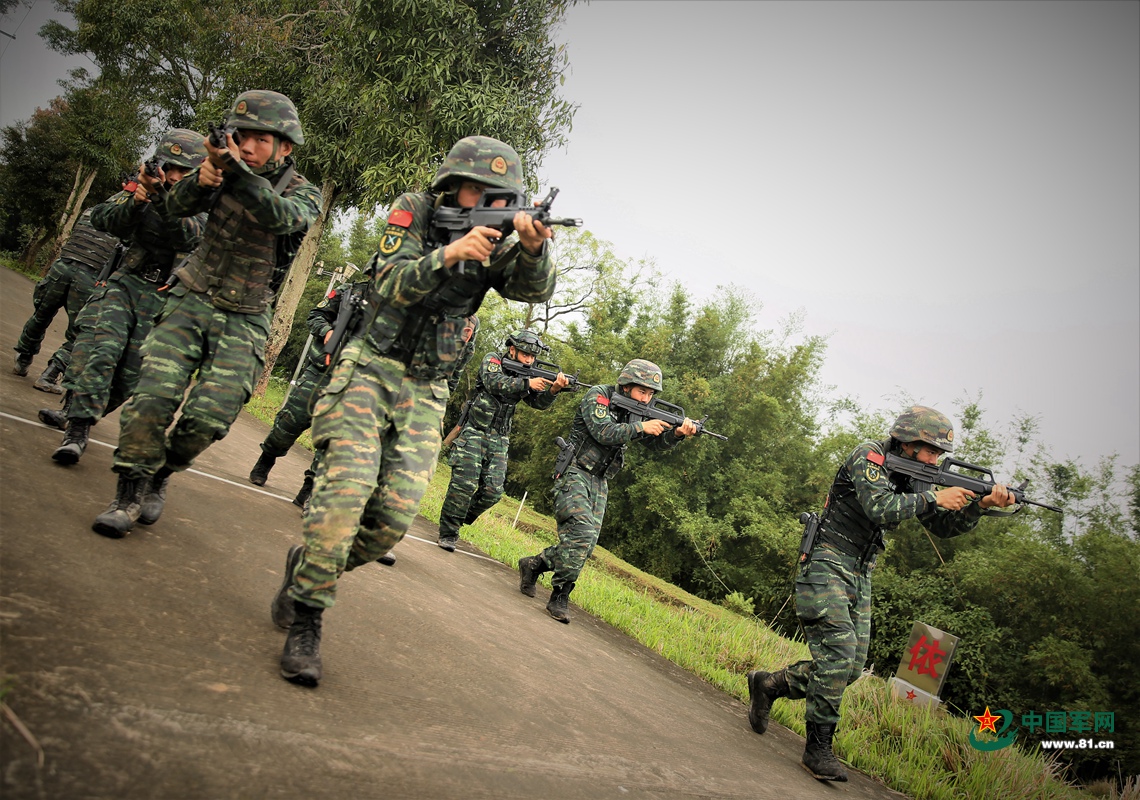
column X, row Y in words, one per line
column 833, row 601
column 378, row 429
column 106, row 360
column 225, row 348
column 68, row 285
column 579, row 507
column 478, row 471
column 296, row 414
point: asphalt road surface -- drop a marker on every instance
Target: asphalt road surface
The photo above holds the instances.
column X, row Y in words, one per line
column 147, row 667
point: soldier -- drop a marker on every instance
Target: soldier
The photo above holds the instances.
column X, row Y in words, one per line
column 219, row 307
column 599, row 436
column 379, row 417
column 106, row 359
column 295, row 415
column 68, row 284
column 479, row 459
column 833, row 588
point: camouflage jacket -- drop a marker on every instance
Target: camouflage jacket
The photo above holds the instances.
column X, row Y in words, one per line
column 461, row 363
column 496, row 395
column 256, row 223
column 158, row 238
column 88, row 246
column 864, row 501
column 423, row 304
column 599, row 434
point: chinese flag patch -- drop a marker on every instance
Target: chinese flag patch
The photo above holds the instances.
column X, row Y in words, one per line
column 496, row 361
column 875, row 458
column 401, row 218
column 603, row 400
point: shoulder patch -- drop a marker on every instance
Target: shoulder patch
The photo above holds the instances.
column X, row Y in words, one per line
column 494, row 365
column 495, row 360
column 603, row 400
column 401, row 218
column 875, row 458
column 392, row 239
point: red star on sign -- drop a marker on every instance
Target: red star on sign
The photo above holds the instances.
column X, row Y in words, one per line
column 986, row 721
column 910, row 695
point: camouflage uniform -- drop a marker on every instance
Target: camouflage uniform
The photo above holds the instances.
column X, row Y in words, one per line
column 833, row 587
column 68, row 284
column 217, row 314
column 106, row 357
column 599, row 437
column 479, row 457
column 379, row 417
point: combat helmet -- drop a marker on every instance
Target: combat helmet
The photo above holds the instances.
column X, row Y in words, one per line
column 641, row 372
column 263, row 110
column 924, row 424
column 181, row 147
column 481, row 159
column 526, row 342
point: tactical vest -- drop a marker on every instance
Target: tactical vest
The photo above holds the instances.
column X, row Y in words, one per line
column 845, row 525
column 489, row 413
column 237, row 262
column 88, row 246
column 428, row 336
column 590, row 455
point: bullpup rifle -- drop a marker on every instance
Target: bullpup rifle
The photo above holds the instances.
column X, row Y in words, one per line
column 948, row 473
column 659, row 409
column 539, row 369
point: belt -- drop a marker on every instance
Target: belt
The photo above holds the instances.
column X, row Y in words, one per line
column 153, row 275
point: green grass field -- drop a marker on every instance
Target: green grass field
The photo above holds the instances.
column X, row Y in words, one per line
column 920, row 753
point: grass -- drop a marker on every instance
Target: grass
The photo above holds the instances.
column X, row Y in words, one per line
column 924, row 754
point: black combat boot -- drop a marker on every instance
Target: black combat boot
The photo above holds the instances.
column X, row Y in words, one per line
column 303, row 495
column 23, row 361
column 559, row 604
column 260, row 472
column 282, row 608
column 529, row 570
column 301, row 659
column 121, row 516
column 154, row 496
column 818, row 758
column 56, row 418
column 448, row 543
column 763, row 688
column 49, row 379
column 387, row 560
column 74, row 441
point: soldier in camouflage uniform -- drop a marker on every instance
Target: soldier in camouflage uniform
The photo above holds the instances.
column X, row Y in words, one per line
column 219, row 307
column 296, row 412
column 599, row 436
column 379, row 417
column 113, row 325
column 479, row 459
column 833, row 587
column 68, row 284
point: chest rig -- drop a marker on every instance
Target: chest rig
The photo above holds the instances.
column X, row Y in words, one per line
column 87, row 246
column 237, row 262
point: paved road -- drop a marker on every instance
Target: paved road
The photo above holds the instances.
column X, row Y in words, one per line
column 147, row 667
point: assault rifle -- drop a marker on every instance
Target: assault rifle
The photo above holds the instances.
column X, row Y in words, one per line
column 454, row 434
column 539, row 369
column 454, row 223
column 947, row 474
column 353, row 302
column 659, row 409
column 152, row 166
column 218, row 133
column 111, row 264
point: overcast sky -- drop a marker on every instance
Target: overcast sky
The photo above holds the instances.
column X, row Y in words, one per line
column 949, row 191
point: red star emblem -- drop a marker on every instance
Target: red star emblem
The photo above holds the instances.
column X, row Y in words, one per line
column 910, row 695
column 986, row 721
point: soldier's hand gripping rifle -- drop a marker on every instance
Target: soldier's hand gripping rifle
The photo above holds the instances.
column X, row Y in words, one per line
column 353, row 305
column 659, row 409
column 539, row 369
column 947, row 474
column 454, row 223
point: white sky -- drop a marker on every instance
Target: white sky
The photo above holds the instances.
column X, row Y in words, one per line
column 949, row 190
